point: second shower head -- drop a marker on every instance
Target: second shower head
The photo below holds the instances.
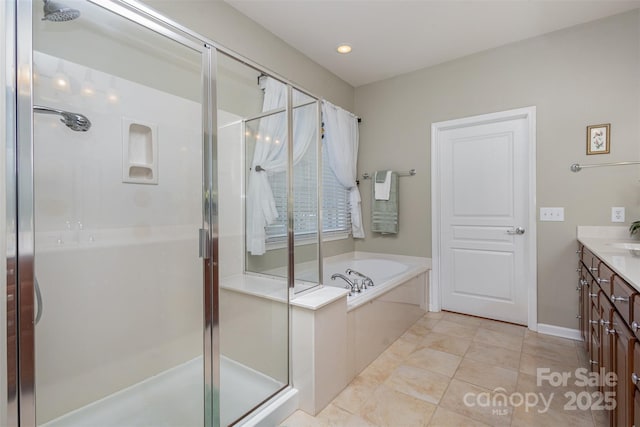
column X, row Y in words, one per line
column 57, row 12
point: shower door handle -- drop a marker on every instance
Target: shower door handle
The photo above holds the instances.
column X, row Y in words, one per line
column 203, row 243
column 38, row 300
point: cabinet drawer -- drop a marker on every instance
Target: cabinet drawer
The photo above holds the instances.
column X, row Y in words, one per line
column 635, row 316
column 604, row 277
column 595, row 320
column 622, row 298
column 590, row 261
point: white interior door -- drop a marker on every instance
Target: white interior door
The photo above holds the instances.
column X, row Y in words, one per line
column 484, row 216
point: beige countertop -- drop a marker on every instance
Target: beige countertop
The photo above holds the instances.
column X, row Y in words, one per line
column 612, row 245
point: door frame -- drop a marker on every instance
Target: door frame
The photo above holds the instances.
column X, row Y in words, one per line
column 529, row 114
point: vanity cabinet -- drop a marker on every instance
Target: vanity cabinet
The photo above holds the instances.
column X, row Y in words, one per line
column 609, row 319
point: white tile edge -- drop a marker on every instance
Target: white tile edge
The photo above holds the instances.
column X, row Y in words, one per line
column 281, row 407
column 559, row 331
column 318, row 298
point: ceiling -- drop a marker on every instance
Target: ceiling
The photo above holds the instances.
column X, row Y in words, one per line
column 392, row 37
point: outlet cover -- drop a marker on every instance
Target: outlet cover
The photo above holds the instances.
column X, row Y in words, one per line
column 617, row 214
column 551, row 214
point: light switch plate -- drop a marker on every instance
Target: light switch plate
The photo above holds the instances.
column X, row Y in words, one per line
column 551, row 214
column 617, row 214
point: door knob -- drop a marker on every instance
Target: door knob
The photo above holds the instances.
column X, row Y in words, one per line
column 517, row 230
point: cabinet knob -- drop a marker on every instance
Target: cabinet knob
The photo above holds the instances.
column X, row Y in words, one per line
column 619, row 299
column 593, row 269
column 594, row 362
column 610, row 331
column 635, row 325
column 634, row 378
column 601, row 281
column 604, row 322
column 578, row 317
column 593, row 322
column 579, row 251
column 592, row 295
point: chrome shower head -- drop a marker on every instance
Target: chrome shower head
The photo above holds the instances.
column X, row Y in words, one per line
column 74, row 121
column 57, row 12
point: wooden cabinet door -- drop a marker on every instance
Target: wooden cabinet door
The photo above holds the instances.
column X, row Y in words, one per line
column 623, row 340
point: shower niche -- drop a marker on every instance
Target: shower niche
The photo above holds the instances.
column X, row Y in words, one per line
column 139, row 152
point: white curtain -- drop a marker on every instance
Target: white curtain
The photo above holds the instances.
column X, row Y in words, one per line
column 271, row 155
column 341, row 141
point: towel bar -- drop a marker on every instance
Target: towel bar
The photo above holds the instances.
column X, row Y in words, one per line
column 412, row 172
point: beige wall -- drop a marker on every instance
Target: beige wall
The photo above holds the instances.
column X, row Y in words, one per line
column 223, row 24
column 584, row 75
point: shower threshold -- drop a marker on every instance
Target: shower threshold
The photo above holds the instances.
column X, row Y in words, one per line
column 174, row 398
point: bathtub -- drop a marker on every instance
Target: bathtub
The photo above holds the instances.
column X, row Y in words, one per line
column 381, row 314
column 335, row 336
column 386, row 271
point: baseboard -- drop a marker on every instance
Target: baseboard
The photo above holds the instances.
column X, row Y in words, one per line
column 559, row 331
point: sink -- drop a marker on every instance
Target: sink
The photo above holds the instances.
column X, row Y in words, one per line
column 634, row 248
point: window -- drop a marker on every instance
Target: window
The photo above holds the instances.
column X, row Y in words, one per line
column 336, row 220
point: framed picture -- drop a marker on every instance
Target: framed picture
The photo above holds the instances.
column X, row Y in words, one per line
column 598, row 139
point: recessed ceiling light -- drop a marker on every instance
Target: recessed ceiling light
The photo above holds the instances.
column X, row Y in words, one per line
column 344, row 48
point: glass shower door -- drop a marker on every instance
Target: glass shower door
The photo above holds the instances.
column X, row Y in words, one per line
column 118, row 204
column 254, row 294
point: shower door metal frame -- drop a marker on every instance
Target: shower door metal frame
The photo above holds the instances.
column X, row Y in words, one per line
column 11, row 373
column 25, row 224
column 22, row 403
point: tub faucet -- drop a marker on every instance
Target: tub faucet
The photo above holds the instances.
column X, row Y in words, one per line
column 366, row 280
column 352, row 286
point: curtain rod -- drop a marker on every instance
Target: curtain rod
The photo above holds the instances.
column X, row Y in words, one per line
column 577, row 167
column 335, row 106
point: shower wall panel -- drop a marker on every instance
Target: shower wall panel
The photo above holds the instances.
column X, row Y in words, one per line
column 107, row 248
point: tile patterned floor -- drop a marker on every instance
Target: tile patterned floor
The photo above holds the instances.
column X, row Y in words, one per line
column 446, row 359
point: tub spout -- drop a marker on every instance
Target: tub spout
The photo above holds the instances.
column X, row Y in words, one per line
column 366, row 280
column 350, row 285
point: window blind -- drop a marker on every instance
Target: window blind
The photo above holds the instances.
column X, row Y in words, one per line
column 336, row 219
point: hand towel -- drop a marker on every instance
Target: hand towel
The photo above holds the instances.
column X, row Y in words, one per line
column 384, row 213
column 382, row 185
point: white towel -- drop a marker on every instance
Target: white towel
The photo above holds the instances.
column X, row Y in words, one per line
column 382, row 190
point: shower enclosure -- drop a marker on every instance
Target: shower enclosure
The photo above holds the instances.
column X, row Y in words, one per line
column 129, row 295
